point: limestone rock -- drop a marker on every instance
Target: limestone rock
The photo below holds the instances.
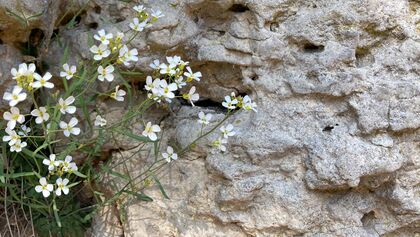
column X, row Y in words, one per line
column 334, row 148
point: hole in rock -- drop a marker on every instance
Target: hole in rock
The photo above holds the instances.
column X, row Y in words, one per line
column 97, row 9
column 93, row 25
column 120, row 19
column 254, row 77
column 1, row 42
column 368, row 218
column 274, row 27
column 238, row 8
column 313, row 48
column 77, row 20
column 363, row 57
column 55, row 34
column 329, row 128
column 36, row 36
column 30, row 48
column 205, row 103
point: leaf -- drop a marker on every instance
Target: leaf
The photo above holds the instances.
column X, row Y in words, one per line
column 162, row 190
column 46, row 144
column 32, row 154
column 57, row 217
column 79, row 174
column 106, row 169
column 65, row 56
column 17, row 175
column 2, row 159
column 140, row 196
column 73, row 184
column 131, row 73
column 135, row 137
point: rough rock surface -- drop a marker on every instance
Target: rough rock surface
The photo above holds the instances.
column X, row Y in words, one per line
column 334, row 149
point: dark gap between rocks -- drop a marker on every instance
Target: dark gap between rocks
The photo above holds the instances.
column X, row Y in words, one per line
column 239, row 8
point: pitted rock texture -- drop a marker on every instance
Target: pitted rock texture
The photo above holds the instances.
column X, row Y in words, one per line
column 334, row 149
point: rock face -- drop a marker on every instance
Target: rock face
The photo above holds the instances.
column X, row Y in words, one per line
column 334, row 149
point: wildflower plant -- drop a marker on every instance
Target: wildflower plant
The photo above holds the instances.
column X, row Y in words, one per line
column 49, row 122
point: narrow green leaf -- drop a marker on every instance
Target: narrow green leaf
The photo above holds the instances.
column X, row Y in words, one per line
column 140, row 196
column 17, row 175
column 162, row 190
column 2, row 160
column 114, row 173
column 57, row 217
column 134, row 136
column 73, row 184
column 46, row 144
column 131, row 73
column 32, row 154
column 79, row 174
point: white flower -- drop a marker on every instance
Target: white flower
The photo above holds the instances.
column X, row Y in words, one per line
column 132, row 55
column 229, row 103
column 100, row 52
column 68, row 165
column 167, row 69
column 220, row 144
column 62, row 186
column 175, row 60
column 156, row 89
column 51, row 163
column 12, row 137
column 149, row 83
column 169, row 154
column 40, row 114
column 191, row 96
column 24, row 70
column 157, row 14
column 13, row 116
column 126, row 56
column 204, row 118
column 247, row 104
column 139, row 8
column 103, row 37
column 24, row 130
column 65, row 105
column 117, row 41
column 150, row 131
column 99, row 121
column 227, row 131
column 43, row 81
column 167, row 90
column 68, row 72
column 15, row 97
column 155, row 64
column 192, row 76
column 44, row 187
column 18, row 146
column 69, row 128
column 180, row 82
column 138, row 26
column 118, row 95
column 106, row 73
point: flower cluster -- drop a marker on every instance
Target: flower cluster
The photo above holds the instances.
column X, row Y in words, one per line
column 18, row 125
column 233, row 102
column 170, row 77
column 58, row 169
column 28, row 80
